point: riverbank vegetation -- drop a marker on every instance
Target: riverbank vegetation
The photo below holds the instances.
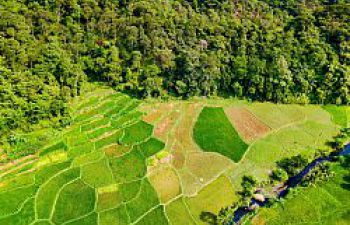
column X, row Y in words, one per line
column 285, row 184
column 295, row 51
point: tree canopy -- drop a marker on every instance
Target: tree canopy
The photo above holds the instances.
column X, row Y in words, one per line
column 281, row 51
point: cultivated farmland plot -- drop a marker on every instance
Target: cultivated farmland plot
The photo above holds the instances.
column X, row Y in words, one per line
column 156, row 163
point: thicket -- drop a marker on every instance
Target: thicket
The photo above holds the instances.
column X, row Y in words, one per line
column 280, row 51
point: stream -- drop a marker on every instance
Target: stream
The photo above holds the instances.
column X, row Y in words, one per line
column 290, row 183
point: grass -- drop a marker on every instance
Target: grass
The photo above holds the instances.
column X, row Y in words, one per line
column 94, row 172
column 156, row 216
column 91, row 219
column 324, row 204
column 58, row 146
column 137, row 133
column 11, row 201
column 24, row 217
column 143, row 202
column 97, row 123
column 213, row 132
column 75, row 200
column 339, row 114
column 151, row 147
column 97, row 174
column 276, row 115
column 49, row 171
column 129, row 167
column 178, row 214
column 116, row 216
column 109, row 199
column 216, row 195
column 111, row 139
column 47, row 194
column 76, row 151
column 130, row 190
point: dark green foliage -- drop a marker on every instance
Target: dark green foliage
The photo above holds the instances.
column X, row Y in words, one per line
column 281, row 51
column 248, row 185
column 279, row 175
column 293, row 165
column 213, row 132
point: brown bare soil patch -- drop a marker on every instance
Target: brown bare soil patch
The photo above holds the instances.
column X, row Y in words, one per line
column 247, row 125
column 183, row 133
column 178, row 159
column 163, row 127
column 154, row 114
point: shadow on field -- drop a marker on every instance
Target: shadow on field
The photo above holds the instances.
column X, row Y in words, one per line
column 346, row 185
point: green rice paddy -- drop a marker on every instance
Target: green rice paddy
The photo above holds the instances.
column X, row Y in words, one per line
column 109, row 167
column 213, row 132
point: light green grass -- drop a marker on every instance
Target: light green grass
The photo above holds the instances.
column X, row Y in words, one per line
column 178, row 213
column 276, row 115
column 156, row 216
column 95, row 124
column 117, row 216
column 109, row 199
column 46, row 196
column 91, row 219
column 49, row 171
column 82, row 149
column 97, row 174
column 212, row 198
column 108, row 140
column 213, row 132
column 24, row 217
column 325, row 204
column 11, row 201
column 58, row 146
column 339, row 114
column 143, row 202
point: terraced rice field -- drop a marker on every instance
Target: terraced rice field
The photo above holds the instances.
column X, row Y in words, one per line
column 94, row 173
column 123, row 161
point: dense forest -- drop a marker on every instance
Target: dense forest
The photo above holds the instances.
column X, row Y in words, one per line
column 293, row 51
